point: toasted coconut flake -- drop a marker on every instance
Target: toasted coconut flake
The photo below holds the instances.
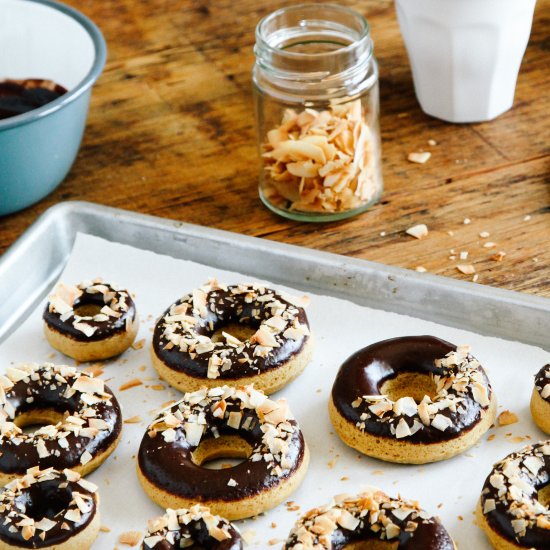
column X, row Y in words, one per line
column 418, row 231
column 133, row 419
column 419, row 158
column 131, row 384
column 85, row 458
column 130, row 538
column 467, row 269
column 506, row 418
column 321, row 161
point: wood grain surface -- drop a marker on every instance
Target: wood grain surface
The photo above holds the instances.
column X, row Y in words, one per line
column 171, row 133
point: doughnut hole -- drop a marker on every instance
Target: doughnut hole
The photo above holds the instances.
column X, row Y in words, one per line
column 88, row 310
column 241, row 331
column 543, row 495
column 222, row 452
column 44, row 500
column 31, row 421
column 409, row 384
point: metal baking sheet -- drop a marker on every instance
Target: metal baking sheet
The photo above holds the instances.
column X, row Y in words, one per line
column 37, row 260
column 29, row 268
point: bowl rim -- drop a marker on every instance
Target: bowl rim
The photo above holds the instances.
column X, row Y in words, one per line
column 86, row 83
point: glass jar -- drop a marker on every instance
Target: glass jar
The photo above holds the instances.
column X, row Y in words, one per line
column 316, row 98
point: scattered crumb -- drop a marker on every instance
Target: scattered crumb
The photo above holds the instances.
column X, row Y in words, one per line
column 467, row 221
column 105, row 529
column 273, row 525
column 157, row 387
column 420, row 269
column 344, row 478
column 518, row 439
column 331, row 463
column 467, row 269
column 130, row 384
column 377, row 472
column 452, row 257
column 498, row 257
column 143, row 368
column 382, row 233
column 419, row 158
column 95, row 369
column 273, row 542
column 440, row 505
column 319, row 390
column 139, row 344
column 460, row 518
column 130, row 538
column 491, row 437
column 484, row 234
column 526, row 218
column 418, row 231
column 432, row 142
column 489, row 244
column 506, row 418
column 133, row 420
column 291, row 506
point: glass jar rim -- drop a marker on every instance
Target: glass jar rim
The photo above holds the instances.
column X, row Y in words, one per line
column 363, row 38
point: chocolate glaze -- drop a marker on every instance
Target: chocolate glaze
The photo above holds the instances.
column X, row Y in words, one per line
column 105, row 329
column 365, row 372
column 541, row 379
column 500, row 518
column 48, row 499
column 16, row 459
column 427, row 536
column 21, row 96
column 170, row 467
column 229, row 308
column 201, row 538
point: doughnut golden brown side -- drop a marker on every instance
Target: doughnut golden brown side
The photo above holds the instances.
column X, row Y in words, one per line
column 540, row 399
column 269, row 381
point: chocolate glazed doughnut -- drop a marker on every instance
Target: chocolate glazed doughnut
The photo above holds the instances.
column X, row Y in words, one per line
column 188, row 527
column 197, row 342
column 370, row 516
column 510, row 509
column 414, row 400
column 83, row 420
column 49, row 509
column 540, row 399
column 223, row 422
column 91, row 321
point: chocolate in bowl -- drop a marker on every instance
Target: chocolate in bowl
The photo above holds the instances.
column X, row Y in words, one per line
column 21, row 96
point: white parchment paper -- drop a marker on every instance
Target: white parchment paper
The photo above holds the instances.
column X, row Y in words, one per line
column 449, row 489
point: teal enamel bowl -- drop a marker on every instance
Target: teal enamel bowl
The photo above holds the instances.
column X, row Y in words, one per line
column 45, row 39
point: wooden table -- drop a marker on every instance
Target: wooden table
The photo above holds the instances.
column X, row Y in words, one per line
column 171, row 133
